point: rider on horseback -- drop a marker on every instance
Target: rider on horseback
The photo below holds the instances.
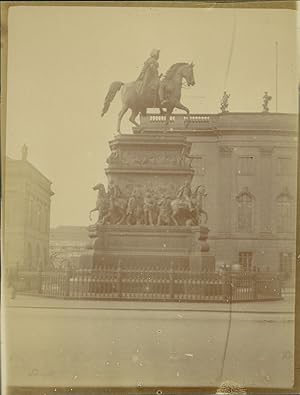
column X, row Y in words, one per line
column 150, row 80
column 113, row 191
column 184, row 194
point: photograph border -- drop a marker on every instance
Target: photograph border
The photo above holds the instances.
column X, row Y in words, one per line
column 257, row 4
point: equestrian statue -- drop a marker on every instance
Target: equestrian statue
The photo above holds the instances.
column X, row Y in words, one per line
column 151, row 90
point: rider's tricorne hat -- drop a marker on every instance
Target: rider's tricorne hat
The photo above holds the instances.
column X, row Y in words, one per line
column 154, row 52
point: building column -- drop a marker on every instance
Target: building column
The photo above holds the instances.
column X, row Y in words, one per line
column 224, row 189
column 264, row 199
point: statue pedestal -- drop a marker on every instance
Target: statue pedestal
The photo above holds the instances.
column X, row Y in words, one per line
column 141, row 246
column 158, row 162
column 147, row 247
column 157, row 227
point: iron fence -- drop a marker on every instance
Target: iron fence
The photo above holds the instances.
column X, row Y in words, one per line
column 150, row 285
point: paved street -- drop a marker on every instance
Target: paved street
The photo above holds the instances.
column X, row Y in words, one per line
column 82, row 343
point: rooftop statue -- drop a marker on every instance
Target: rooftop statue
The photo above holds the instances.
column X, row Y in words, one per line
column 266, row 99
column 151, row 91
column 224, row 102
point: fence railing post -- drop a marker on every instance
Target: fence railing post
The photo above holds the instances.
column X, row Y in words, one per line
column 279, row 285
column 40, row 281
column 119, row 280
column 68, row 276
column 171, row 279
column 254, row 284
column 227, row 287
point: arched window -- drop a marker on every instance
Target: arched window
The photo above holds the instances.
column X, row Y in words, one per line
column 285, row 212
column 245, row 211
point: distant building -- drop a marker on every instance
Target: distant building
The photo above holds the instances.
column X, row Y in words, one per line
column 27, row 199
column 248, row 165
column 67, row 244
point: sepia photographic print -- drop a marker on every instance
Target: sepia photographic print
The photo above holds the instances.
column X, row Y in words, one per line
column 149, row 197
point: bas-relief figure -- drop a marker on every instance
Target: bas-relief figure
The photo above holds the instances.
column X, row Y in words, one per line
column 183, row 160
column 151, row 207
column 114, row 158
column 146, row 158
column 151, row 91
column 165, row 211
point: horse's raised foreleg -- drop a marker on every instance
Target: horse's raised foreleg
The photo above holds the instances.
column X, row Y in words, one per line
column 180, row 106
column 133, row 115
column 120, row 116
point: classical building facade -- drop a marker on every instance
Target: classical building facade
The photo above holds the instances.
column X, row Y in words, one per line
column 26, row 214
column 247, row 163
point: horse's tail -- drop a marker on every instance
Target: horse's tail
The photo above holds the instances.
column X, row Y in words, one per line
column 113, row 89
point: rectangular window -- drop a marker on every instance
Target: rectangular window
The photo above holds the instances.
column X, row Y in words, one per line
column 286, row 263
column 285, row 216
column 285, row 166
column 246, row 166
column 246, row 261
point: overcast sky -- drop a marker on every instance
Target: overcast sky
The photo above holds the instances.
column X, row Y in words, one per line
column 63, row 59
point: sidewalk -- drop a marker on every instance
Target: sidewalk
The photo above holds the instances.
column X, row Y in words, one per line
column 285, row 306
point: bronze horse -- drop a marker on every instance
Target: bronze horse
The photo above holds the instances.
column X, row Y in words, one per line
column 131, row 99
column 101, row 203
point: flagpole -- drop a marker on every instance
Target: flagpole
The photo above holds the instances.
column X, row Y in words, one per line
column 276, row 74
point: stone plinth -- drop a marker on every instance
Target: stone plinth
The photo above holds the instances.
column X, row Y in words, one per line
column 140, row 246
column 156, row 162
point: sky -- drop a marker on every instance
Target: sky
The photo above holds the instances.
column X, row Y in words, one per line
column 61, row 61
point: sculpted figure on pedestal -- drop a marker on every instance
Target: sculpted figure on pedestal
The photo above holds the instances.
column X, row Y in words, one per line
column 148, row 80
column 165, row 211
column 266, row 99
column 130, row 218
column 184, row 194
column 101, row 203
column 117, row 204
column 198, row 211
column 182, row 205
column 148, row 91
column 149, row 209
column 113, row 191
column 184, row 160
column 114, row 158
column 224, row 102
column 186, row 209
